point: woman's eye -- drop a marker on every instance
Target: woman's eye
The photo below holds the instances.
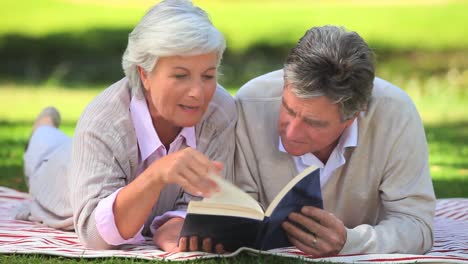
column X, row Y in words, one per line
column 180, row 76
column 208, row 77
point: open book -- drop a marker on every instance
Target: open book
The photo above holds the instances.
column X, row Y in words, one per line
column 233, row 218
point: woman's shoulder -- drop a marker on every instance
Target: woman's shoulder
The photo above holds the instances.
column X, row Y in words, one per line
column 222, row 106
column 220, row 115
column 109, row 108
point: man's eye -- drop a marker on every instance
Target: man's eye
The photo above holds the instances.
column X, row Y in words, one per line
column 315, row 124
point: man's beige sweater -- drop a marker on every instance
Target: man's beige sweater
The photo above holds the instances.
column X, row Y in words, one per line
column 383, row 193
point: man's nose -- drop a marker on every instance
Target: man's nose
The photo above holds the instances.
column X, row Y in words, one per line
column 293, row 128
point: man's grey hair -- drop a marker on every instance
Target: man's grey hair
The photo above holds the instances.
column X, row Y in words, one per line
column 170, row 28
column 330, row 61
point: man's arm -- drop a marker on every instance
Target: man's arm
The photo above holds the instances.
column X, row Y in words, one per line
column 406, row 191
column 244, row 156
column 407, row 202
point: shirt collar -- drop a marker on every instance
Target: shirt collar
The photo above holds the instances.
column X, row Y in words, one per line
column 349, row 138
column 148, row 139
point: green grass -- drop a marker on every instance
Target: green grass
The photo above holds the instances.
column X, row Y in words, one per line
column 439, row 25
column 242, row 258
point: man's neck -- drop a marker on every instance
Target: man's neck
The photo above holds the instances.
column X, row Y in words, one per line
column 324, row 154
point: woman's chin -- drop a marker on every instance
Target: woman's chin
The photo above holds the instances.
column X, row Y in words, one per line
column 187, row 122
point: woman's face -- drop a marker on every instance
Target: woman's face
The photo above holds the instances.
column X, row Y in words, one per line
column 179, row 88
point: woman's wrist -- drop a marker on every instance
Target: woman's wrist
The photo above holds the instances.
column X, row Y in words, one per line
column 155, row 178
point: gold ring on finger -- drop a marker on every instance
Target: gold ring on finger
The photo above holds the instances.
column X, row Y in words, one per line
column 314, row 241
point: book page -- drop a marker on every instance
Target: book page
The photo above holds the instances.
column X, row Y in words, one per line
column 287, row 188
column 229, row 197
column 220, row 209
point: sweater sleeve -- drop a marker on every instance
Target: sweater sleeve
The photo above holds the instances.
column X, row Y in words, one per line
column 406, row 191
column 245, row 169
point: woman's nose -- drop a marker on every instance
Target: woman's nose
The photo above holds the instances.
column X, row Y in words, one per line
column 196, row 89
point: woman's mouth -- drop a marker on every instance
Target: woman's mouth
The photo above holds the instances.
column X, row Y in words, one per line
column 190, row 108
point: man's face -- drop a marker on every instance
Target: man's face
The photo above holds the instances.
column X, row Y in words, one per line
column 309, row 125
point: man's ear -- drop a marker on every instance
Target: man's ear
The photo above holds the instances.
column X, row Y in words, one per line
column 143, row 77
column 350, row 121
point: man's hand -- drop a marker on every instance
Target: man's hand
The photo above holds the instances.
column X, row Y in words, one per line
column 166, row 235
column 325, row 234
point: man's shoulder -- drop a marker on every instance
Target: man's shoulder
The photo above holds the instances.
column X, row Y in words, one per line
column 389, row 109
column 265, row 87
column 384, row 90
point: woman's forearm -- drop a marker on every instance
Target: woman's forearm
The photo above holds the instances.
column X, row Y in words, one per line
column 134, row 203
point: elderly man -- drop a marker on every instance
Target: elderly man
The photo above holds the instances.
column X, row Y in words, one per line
column 326, row 108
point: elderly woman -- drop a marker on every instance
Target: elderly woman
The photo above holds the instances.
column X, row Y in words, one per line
column 142, row 146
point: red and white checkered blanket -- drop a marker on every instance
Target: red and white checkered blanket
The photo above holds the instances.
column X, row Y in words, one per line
column 451, row 239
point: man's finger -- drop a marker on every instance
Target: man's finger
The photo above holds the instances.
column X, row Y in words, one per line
column 297, row 233
column 310, row 225
column 321, row 216
column 308, row 249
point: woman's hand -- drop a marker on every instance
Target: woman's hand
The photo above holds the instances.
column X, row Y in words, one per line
column 188, row 168
column 166, row 235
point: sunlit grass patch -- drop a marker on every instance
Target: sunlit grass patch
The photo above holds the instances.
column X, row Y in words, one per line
column 438, row 25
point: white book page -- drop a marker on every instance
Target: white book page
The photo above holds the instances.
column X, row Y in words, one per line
column 231, row 194
column 287, row 188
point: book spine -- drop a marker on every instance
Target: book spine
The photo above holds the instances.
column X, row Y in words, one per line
column 262, row 229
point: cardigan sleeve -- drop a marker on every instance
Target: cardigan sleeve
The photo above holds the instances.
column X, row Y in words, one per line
column 95, row 174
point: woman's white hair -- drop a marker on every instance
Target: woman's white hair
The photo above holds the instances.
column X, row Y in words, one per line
column 170, row 28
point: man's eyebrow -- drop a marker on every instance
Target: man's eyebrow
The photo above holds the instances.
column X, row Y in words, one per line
column 286, row 106
column 310, row 121
column 315, row 122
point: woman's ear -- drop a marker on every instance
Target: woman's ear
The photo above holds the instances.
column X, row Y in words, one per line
column 143, row 77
